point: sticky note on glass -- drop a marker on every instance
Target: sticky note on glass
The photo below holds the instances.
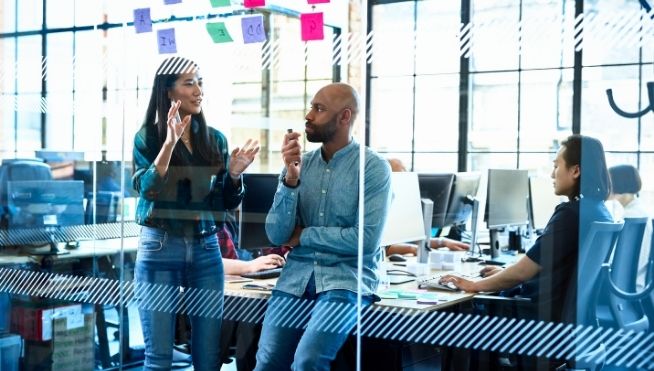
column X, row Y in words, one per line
column 142, row 20
column 312, row 26
column 166, row 41
column 253, row 31
column 219, row 3
column 317, row 1
column 168, row 2
column 218, row 32
column 253, row 3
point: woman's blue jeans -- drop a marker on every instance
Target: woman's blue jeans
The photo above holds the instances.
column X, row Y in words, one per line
column 177, row 274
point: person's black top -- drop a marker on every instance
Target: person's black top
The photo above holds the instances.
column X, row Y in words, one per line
column 556, row 252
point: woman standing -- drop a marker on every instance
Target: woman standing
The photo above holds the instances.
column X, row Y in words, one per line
column 186, row 180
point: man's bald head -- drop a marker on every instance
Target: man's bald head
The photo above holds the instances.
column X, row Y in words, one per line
column 341, row 96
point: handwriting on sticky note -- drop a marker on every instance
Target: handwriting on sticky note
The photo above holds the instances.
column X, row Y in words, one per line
column 142, row 20
column 312, row 26
column 253, row 3
column 166, row 41
column 253, row 31
column 219, row 3
column 168, row 2
column 317, row 1
column 218, row 32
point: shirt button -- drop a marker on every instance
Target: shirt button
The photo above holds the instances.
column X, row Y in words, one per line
column 324, row 191
column 288, row 212
column 321, row 214
column 327, row 170
column 292, row 193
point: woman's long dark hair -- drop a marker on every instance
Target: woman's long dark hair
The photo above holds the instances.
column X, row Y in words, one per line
column 156, row 116
column 588, row 153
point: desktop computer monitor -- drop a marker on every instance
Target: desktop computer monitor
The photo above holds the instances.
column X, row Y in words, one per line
column 107, row 176
column 39, row 208
column 464, row 190
column 506, row 202
column 260, row 191
column 404, row 222
column 437, row 188
column 542, row 202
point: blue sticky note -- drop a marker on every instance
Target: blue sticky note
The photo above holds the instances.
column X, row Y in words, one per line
column 253, row 31
column 142, row 20
column 166, row 41
column 168, row 2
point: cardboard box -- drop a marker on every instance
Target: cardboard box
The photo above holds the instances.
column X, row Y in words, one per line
column 57, row 338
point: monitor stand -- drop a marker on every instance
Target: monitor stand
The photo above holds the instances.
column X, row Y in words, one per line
column 474, row 246
column 495, row 249
column 423, row 248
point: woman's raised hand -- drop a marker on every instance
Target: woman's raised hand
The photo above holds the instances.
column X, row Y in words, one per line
column 241, row 158
column 176, row 126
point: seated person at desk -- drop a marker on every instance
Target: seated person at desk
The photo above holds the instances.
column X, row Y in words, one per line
column 434, row 243
column 547, row 272
column 316, row 210
column 626, row 184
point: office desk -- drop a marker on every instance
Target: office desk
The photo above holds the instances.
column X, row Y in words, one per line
column 451, row 298
column 88, row 276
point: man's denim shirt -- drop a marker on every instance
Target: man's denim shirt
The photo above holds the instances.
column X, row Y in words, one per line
column 188, row 200
column 326, row 205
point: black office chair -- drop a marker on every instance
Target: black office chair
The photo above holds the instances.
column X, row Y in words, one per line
column 648, row 300
column 615, row 311
column 105, row 205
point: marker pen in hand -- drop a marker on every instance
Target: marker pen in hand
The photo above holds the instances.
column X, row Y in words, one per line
column 290, row 131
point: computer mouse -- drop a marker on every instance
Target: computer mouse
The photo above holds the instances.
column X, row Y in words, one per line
column 449, row 285
column 396, row 258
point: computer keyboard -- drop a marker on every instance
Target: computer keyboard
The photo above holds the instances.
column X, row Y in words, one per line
column 433, row 281
column 262, row 275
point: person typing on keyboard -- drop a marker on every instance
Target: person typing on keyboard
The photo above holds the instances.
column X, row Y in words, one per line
column 548, row 271
column 316, row 210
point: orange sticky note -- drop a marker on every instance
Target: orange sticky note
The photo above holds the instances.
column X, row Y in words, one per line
column 312, row 26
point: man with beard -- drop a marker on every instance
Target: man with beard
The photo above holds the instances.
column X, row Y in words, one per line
column 316, row 211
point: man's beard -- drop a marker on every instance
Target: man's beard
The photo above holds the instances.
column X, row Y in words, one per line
column 322, row 133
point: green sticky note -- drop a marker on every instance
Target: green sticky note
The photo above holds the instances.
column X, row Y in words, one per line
column 219, row 3
column 218, row 32
column 388, row 294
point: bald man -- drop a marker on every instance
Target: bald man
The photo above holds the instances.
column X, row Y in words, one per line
column 316, row 211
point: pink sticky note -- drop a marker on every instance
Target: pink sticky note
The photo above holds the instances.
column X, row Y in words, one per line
column 317, row 1
column 253, row 3
column 312, row 26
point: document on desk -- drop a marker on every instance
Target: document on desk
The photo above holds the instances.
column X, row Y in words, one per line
column 229, row 278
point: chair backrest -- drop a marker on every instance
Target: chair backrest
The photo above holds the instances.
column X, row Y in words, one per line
column 106, row 207
column 648, row 302
column 624, row 270
column 20, row 169
column 594, row 250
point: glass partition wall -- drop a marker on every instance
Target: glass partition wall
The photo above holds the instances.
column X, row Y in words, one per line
column 76, row 81
column 450, row 89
